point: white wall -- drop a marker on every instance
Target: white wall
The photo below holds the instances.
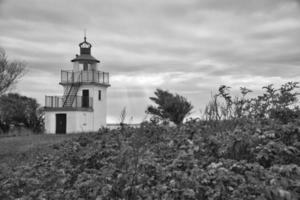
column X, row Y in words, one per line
column 50, row 123
column 99, row 106
column 76, row 66
column 77, row 121
column 79, row 66
column 83, row 122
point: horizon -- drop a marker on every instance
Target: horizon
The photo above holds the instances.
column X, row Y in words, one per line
column 189, row 48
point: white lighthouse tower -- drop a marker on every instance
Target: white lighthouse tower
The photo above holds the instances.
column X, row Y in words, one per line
column 82, row 108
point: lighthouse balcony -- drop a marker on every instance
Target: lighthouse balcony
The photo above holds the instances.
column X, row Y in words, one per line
column 62, row 103
column 85, row 76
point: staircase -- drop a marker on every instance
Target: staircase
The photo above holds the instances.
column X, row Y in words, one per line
column 70, row 94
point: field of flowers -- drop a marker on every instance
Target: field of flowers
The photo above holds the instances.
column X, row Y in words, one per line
column 197, row 160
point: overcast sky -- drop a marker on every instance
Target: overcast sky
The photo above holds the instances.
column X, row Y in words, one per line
column 189, row 47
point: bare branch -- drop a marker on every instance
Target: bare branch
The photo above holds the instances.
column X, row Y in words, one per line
column 10, row 72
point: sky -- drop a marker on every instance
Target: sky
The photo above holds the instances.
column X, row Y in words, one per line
column 189, row 47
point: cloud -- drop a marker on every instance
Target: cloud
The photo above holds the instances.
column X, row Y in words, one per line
column 298, row 1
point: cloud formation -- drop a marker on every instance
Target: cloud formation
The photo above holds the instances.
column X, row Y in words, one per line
column 189, row 47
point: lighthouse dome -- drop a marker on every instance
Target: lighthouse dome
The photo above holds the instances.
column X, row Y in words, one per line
column 85, row 47
column 85, row 53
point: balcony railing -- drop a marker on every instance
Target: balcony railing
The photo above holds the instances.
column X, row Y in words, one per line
column 90, row 76
column 58, row 102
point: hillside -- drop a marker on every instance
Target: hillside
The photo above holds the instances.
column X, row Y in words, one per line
column 15, row 150
column 198, row 160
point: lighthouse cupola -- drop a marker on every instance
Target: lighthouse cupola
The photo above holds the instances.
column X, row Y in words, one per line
column 85, row 47
column 85, row 61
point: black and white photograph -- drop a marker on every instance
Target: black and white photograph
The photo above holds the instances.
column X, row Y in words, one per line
column 149, row 99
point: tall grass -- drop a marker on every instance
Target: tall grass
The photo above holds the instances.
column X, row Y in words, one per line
column 279, row 104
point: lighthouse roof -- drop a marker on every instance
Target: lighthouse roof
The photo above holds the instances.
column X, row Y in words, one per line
column 85, row 53
column 85, row 58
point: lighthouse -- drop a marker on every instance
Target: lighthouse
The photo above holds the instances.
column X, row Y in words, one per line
column 82, row 107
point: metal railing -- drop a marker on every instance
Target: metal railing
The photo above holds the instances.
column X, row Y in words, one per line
column 58, row 102
column 90, row 76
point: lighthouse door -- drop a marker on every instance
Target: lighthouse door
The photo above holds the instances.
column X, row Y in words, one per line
column 85, row 98
column 61, row 123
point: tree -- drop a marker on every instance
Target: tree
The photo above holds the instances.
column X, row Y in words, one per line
column 10, row 72
column 169, row 106
column 19, row 110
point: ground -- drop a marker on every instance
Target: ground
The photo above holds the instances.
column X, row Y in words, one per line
column 15, row 150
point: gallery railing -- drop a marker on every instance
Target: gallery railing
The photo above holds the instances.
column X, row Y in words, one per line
column 58, row 102
column 90, row 76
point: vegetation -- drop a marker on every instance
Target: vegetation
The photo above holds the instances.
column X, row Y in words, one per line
column 160, row 162
column 278, row 104
column 10, row 72
column 169, row 106
column 123, row 115
column 14, row 147
column 237, row 153
column 17, row 110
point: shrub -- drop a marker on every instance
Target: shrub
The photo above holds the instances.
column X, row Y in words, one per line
column 278, row 104
column 17, row 110
column 169, row 106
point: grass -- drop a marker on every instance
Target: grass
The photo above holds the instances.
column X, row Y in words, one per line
column 15, row 150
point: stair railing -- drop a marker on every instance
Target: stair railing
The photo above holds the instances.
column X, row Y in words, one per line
column 75, row 84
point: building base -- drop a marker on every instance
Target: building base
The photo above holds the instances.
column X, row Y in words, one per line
column 65, row 122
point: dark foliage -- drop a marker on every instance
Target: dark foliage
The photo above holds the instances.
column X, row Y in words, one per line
column 169, row 106
column 255, row 161
column 17, row 110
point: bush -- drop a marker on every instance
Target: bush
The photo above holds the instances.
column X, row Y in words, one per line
column 169, row 106
column 17, row 110
column 278, row 104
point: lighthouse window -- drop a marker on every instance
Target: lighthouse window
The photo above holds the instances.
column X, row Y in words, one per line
column 85, row 66
column 99, row 95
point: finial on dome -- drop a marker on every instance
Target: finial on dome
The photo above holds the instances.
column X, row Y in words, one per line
column 85, row 35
